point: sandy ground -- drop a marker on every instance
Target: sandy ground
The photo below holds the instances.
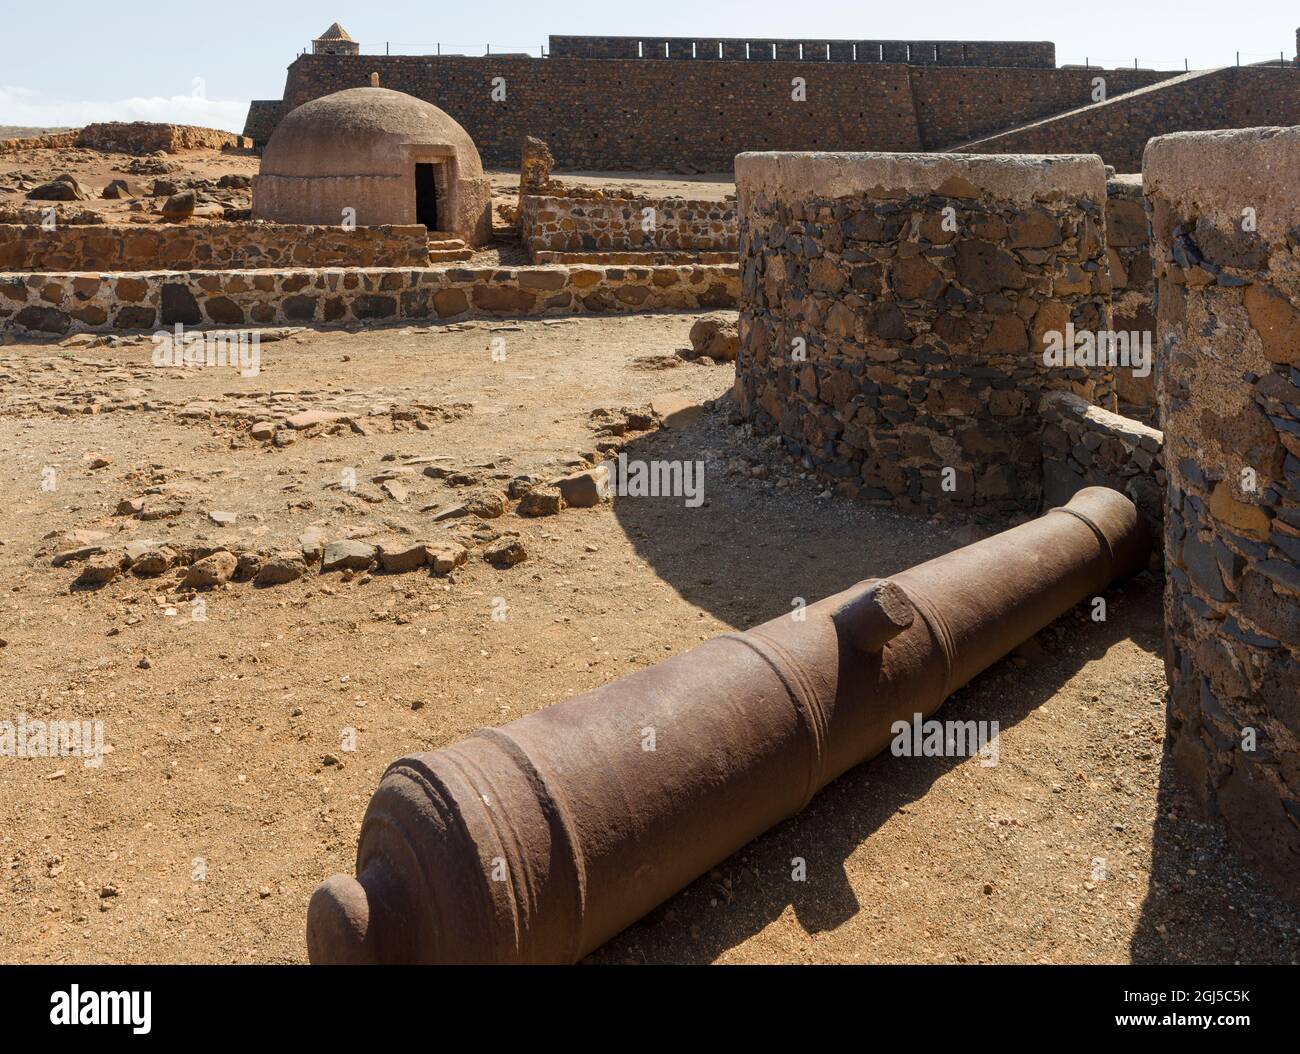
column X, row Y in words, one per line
column 218, row 809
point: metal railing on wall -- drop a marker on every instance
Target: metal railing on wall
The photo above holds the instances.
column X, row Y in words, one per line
column 389, row 47
column 1239, row 58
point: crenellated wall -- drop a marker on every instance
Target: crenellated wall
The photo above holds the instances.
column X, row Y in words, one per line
column 1040, row 53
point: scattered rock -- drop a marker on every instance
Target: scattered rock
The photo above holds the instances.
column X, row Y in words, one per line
column 347, row 555
column 486, row 504
column 311, row 543
column 445, row 557
column 541, row 501
column 118, row 189
column 521, row 485
column 81, row 552
column 60, row 188
column 101, row 569
column 583, row 490
column 314, row 417
column 716, row 336
column 397, row 556
column 250, row 565
column 505, row 552
column 279, row 568
column 180, row 206
column 212, row 570
column 153, row 561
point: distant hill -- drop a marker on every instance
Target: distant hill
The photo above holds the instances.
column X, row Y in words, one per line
column 18, row 131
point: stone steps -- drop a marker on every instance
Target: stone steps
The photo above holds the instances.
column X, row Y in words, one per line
column 443, row 255
column 1115, row 102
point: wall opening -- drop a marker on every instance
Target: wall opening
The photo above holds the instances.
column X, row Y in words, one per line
column 426, row 196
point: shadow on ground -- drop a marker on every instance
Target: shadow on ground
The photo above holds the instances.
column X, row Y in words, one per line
column 1206, row 903
column 742, row 556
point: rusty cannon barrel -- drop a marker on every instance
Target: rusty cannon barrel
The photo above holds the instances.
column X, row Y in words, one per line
column 538, row 841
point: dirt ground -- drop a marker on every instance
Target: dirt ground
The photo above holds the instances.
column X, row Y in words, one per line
column 226, row 793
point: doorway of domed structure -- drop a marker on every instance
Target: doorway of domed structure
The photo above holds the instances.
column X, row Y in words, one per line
column 426, row 195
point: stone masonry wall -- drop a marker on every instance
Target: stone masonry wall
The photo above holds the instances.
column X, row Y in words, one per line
column 646, row 115
column 215, row 246
column 1233, row 97
column 1086, row 446
column 591, row 224
column 1226, row 231
column 102, row 302
column 922, row 287
column 1128, row 252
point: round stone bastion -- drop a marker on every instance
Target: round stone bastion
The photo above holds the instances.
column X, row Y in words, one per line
column 1225, row 218
column 895, row 309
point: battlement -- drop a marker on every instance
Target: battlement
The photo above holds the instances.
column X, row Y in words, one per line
column 1038, row 54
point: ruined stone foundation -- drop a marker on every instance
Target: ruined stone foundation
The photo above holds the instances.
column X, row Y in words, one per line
column 1226, row 232
column 894, row 309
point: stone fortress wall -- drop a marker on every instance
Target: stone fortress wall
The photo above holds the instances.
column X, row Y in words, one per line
column 636, row 113
column 1118, row 129
column 1229, row 396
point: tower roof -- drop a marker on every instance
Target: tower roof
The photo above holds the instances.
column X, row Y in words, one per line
column 335, row 32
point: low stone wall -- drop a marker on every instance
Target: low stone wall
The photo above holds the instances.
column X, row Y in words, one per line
column 146, row 137
column 1128, row 251
column 592, row 223
column 134, row 137
column 894, row 309
column 208, row 246
column 1086, row 446
column 100, row 302
column 1228, row 389
column 49, row 141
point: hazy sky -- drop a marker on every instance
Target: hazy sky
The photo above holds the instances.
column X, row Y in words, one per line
column 85, row 60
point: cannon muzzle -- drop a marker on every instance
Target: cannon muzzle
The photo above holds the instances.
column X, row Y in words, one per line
column 538, row 841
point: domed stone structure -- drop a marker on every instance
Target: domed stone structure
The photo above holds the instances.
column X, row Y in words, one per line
column 390, row 157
